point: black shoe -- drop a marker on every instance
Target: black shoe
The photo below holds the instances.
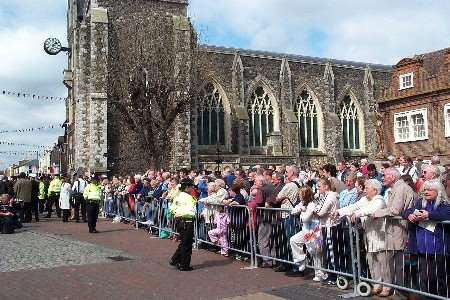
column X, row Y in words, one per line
column 94, row 231
column 266, row 265
column 173, row 265
column 77, row 221
column 47, row 217
column 185, row 269
column 295, row 273
column 280, row 268
column 329, row 282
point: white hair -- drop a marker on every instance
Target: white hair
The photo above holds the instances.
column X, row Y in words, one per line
column 295, row 170
column 261, row 178
column 375, row 184
column 394, row 172
column 437, row 186
column 435, row 160
column 434, row 169
column 220, row 182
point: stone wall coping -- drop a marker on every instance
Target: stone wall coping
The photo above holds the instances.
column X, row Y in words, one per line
column 295, row 58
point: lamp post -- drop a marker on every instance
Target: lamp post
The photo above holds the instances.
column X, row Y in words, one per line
column 219, row 160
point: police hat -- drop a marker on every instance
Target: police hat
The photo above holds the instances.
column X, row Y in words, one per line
column 185, row 183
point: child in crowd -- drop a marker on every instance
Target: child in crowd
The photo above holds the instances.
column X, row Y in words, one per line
column 219, row 235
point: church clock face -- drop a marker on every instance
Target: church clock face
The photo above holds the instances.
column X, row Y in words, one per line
column 52, row 46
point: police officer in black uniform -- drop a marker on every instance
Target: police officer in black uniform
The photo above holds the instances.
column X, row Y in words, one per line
column 184, row 209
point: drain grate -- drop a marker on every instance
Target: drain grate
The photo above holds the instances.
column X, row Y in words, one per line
column 119, row 258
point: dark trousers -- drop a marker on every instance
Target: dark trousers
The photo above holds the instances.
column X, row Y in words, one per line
column 53, row 198
column 35, row 208
column 182, row 255
column 27, row 207
column 65, row 215
column 7, row 224
column 42, row 205
column 79, row 203
column 92, row 210
column 432, row 274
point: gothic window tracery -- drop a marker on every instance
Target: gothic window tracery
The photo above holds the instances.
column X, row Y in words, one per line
column 261, row 117
column 350, row 121
column 306, row 112
column 211, row 117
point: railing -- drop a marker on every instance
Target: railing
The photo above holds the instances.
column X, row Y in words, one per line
column 339, row 252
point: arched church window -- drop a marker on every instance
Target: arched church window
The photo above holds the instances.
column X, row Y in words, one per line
column 260, row 112
column 307, row 117
column 211, row 117
column 350, row 124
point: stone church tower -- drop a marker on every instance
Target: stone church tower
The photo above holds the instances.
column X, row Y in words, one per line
column 98, row 138
column 255, row 107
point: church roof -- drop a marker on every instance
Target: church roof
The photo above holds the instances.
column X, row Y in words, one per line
column 295, row 58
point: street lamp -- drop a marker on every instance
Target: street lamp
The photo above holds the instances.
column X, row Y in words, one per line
column 219, row 160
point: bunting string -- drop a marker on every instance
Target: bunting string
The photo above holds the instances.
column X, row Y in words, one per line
column 32, row 96
column 21, row 152
column 50, row 126
column 19, row 144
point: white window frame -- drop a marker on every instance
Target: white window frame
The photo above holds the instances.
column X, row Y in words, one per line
column 447, row 120
column 400, row 81
column 409, row 115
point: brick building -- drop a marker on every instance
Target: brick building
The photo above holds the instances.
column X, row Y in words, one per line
column 256, row 107
column 416, row 106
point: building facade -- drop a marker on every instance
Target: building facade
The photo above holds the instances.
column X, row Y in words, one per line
column 416, row 106
column 255, row 107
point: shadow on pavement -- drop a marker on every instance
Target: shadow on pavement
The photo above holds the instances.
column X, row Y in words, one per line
column 213, row 263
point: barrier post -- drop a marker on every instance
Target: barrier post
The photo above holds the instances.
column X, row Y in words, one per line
column 352, row 253
column 136, row 212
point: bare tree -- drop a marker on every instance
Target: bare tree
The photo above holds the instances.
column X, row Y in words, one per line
column 151, row 86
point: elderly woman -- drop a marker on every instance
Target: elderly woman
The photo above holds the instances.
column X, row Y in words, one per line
column 374, row 232
column 429, row 239
column 216, row 195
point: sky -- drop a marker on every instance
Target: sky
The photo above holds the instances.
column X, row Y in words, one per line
column 381, row 31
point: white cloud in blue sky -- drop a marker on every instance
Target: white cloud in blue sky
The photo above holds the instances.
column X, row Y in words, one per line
column 380, row 31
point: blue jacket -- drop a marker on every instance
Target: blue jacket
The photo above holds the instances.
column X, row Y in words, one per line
column 422, row 241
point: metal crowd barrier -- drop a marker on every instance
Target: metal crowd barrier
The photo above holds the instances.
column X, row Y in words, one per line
column 264, row 235
column 237, row 235
column 409, row 272
column 336, row 258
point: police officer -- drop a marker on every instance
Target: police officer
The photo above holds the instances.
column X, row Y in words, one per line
column 92, row 195
column 183, row 209
column 54, row 189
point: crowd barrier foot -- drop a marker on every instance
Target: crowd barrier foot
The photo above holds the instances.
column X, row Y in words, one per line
column 349, row 295
column 249, row 268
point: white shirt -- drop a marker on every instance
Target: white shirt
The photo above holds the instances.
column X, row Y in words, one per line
column 79, row 185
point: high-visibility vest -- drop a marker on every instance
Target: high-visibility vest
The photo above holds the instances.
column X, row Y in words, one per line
column 42, row 193
column 93, row 192
column 55, row 186
column 183, row 206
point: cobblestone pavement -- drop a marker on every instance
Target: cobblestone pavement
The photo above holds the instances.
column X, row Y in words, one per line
column 28, row 250
column 146, row 276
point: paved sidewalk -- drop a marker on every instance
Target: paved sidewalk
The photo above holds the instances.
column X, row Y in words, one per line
column 86, row 267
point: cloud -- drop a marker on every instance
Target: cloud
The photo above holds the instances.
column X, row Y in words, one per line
column 25, row 67
column 380, row 31
column 372, row 31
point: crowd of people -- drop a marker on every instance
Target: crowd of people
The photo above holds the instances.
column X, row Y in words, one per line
column 24, row 196
column 398, row 207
